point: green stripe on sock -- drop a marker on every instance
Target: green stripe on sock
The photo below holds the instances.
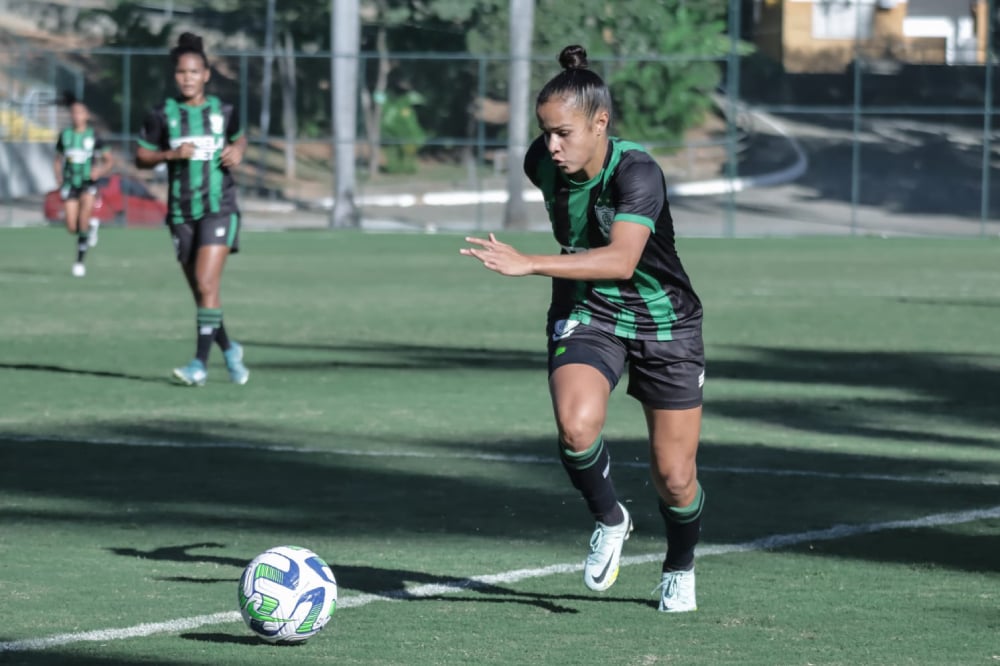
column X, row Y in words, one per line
column 209, row 316
column 691, row 512
column 583, row 459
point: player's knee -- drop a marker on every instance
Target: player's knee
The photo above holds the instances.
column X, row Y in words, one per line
column 208, row 287
column 578, row 432
column 678, row 484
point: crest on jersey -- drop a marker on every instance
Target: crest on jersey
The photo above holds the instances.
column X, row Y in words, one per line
column 216, row 122
column 88, row 143
column 605, row 217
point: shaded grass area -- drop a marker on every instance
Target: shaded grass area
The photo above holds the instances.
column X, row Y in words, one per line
column 397, row 422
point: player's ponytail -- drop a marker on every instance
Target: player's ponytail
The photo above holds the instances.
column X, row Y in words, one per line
column 577, row 84
column 188, row 42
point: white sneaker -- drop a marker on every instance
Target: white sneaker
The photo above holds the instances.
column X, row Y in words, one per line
column 676, row 590
column 79, row 270
column 600, row 569
column 95, row 224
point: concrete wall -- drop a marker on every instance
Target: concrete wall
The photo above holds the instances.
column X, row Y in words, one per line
column 25, row 169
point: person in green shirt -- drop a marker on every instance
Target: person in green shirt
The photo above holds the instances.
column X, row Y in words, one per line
column 620, row 299
column 81, row 159
column 200, row 139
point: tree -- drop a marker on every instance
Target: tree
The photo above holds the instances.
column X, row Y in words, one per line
column 660, row 59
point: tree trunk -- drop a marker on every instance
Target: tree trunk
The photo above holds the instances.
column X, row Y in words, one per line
column 289, row 119
column 372, row 102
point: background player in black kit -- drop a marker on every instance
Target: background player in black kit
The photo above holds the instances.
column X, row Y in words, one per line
column 200, row 139
column 620, row 297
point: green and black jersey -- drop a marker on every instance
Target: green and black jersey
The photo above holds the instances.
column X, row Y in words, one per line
column 658, row 302
column 200, row 186
column 78, row 150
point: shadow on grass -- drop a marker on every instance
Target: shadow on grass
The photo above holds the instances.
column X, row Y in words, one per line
column 231, row 639
column 957, row 388
column 37, row 367
column 392, row 356
column 226, row 476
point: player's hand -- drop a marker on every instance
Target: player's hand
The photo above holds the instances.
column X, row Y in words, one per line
column 185, row 151
column 497, row 256
column 231, row 155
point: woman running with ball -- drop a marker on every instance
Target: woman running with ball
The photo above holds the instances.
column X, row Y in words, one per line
column 620, row 298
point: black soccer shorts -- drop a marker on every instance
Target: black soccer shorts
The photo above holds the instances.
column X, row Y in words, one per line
column 666, row 374
column 67, row 192
column 217, row 229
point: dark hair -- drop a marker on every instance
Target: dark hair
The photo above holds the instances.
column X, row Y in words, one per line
column 188, row 42
column 69, row 99
column 577, row 84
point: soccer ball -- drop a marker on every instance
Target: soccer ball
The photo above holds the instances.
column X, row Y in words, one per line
column 287, row 594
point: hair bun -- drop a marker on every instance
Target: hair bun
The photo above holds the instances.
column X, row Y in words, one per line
column 191, row 41
column 573, row 57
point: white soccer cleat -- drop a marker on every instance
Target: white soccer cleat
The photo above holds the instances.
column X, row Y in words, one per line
column 79, row 270
column 95, row 224
column 600, row 569
column 676, row 590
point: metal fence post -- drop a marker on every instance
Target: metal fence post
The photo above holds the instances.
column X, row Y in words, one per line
column 984, row 210
column 732, row 95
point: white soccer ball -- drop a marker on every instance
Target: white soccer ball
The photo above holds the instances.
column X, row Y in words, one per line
column 287, row 594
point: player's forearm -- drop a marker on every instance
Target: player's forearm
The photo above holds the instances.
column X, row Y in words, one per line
column 103, row 168
column 147, row 159
column 240, row 145
column 603, row 263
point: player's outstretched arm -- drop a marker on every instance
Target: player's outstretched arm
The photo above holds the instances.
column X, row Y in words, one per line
column 615, row 261
column 497, row 256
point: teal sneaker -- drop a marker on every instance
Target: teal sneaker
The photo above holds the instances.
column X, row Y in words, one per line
column 238, row 372
column 192, row 374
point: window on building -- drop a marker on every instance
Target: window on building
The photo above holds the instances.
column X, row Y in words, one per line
column 842, row 19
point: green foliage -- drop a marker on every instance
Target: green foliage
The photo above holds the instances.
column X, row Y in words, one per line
column 656, row 99
column 402, row 131
column 147, row 77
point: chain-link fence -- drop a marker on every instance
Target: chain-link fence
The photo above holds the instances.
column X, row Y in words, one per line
column 880, row 146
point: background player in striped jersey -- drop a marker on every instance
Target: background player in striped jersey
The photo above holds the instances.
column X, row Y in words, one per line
column 81, row 158
column 620, row 297
column 200, row 139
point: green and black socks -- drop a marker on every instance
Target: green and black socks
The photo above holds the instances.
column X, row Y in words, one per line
column 590, row 473
column 209, row 322
column 683, row 525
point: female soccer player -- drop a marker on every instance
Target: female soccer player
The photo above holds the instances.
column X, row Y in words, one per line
column 620, row 296
column 200, row 139
column 81, row 158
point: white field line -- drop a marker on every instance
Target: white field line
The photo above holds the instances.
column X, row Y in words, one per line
column 493, row 457
column 506, row 578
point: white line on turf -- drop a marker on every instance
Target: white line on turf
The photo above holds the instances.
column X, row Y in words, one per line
column 964, row 479
column 508, row 577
